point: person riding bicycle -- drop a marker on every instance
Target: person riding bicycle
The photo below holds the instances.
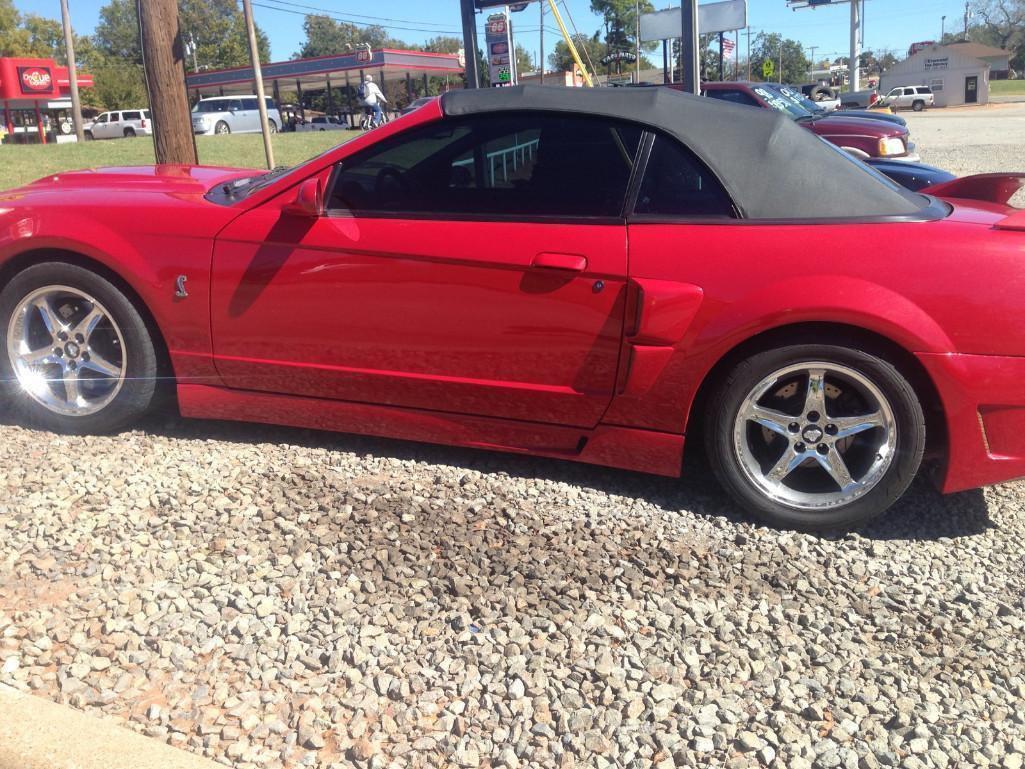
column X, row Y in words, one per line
column 372, row 99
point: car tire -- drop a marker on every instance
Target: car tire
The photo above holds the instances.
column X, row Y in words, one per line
column 779, row 443
column 89, row 136
column 129, row 133
column 272, row 126
column 106, row 351
column 222, row 128
column 918, row 105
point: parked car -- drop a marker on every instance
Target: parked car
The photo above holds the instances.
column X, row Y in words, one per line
column 817, row 108
column 916, row 98
column 232, row 114
column 913, row 176
column 323, row 123
column 861, row 138
column 597, row 275
column 119, row 124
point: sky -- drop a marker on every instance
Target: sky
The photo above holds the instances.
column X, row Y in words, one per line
column 889, row 24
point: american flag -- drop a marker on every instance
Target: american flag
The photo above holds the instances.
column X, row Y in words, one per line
column 728, row 46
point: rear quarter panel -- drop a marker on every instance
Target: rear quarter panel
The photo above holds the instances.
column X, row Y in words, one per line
column 949, row 286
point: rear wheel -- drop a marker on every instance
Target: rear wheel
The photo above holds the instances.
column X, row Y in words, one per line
column 918, row 105
column 222, row 128
column 815, row 437
column 272, row 126
column 129, row 133
column 77, row 357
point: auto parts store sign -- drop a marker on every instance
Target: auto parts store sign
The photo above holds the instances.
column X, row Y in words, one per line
column 937, row 63
column 35, row 80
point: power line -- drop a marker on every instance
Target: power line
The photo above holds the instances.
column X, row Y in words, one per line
column 335, row 11
column 355, row 22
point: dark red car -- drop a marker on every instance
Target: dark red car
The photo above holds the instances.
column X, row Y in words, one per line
column 587, row 275
column 858, row 136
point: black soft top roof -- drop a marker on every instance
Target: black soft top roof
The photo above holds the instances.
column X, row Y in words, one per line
column 771, row 167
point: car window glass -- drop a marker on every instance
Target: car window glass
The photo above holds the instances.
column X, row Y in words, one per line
column 130, row 115
column 677, row 184
column 924, row 90
column 102, row 118
column 250, row 104
column 736, row 97
column 115, row 117
column 521, row 164
column 269, row 102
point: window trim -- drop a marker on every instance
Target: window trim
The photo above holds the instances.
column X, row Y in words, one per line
column 556, row 219
column 641, row 167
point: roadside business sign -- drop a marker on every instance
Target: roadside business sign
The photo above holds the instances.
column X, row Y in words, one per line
column 723, row 16
column 498, row 42
column 35, row 80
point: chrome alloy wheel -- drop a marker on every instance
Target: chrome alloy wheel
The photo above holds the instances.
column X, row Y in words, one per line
column 815, row 435
column 66, row 351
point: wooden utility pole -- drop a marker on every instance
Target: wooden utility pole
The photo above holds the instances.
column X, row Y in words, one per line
column 69, row 45
column 541, row 5
column 163, row 58
column 254, row 55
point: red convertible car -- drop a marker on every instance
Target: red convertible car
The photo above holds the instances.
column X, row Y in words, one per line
column 587, row 275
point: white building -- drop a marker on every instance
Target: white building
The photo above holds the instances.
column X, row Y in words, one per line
column 955, row 75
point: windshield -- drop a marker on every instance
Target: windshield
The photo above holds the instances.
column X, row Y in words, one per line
column 799, row 99
column 778, row 101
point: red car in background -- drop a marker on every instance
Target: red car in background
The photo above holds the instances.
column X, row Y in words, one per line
column 856, row 135
column 596, row 275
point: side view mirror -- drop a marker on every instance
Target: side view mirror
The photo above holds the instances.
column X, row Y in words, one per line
column 309, row 200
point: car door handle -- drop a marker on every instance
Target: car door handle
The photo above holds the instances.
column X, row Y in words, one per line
column 550, row 261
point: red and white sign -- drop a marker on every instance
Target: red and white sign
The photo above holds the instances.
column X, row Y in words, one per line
column 363, row 56
column 35, row 80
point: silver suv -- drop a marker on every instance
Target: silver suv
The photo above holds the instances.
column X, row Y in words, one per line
column 121, row 123
column 916, row 97
column 232, row 114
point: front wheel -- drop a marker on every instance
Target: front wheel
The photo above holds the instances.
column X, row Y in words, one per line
column 77, row 357
column 222, row 128
column 815, row 437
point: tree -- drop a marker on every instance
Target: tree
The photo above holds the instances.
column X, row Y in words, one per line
column 619, row 18
column 29, row 35
column 215, row 27
column 1003, row 23
column 773, row 48
column 444, row 44
column 524, row 63
column 327, row 37
column 591, row 49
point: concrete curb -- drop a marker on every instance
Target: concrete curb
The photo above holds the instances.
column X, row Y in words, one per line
column 39, row 734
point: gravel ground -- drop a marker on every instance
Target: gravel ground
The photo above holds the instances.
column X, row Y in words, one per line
column 277, row 598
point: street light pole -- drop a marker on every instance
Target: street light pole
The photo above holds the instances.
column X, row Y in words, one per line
column 943, row 28
column 69, row 44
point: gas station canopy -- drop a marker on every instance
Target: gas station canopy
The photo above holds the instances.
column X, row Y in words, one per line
column 319, row 73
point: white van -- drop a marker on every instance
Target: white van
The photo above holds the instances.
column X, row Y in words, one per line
column 232, row 114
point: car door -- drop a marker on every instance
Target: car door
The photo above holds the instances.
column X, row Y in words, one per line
column 113, row 127
column 249, row 115
column 475, row 266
